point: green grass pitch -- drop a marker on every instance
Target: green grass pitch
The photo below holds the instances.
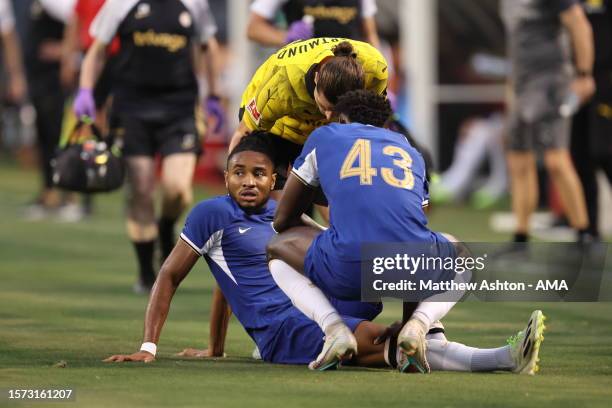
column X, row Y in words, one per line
column 65, row 295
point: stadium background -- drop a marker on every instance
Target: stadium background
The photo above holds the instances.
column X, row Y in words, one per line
column 66, row 299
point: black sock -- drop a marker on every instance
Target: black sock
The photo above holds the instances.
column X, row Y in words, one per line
column 521, row 237
column 167, row 239
column 144, row 252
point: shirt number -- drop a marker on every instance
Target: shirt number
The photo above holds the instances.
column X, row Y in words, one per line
column 358, row 163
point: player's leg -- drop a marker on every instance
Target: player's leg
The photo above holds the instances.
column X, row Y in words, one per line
column 177, row 195
column 561, row 170
column 286, row 254
column 411, row 339
column 179, row 145
column 523, row 190
column 520, row 356
column 141, row 227
column 523, row 174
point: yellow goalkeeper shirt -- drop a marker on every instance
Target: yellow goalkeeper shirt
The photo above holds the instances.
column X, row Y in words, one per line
column 280, row 98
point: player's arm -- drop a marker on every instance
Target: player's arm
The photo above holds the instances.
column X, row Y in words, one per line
column 208, row 69
column 260, row 30
column 94, row 62
column 220, row 314
column 297, row 197
column 70, row 53
column 14, row 66
column 370, row 33
column 239, row 133
column 173, row 271
column 581, row 33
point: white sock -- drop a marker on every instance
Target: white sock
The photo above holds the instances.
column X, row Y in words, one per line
column 451, row 356
column 304, row 294
column 429, row 312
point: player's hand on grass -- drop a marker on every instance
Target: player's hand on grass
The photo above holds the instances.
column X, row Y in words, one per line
column 142, row 356
column 199, row 353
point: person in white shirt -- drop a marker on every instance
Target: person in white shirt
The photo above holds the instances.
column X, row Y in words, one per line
column 352, row 19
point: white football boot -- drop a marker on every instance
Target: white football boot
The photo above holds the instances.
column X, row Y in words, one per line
column 340, row 344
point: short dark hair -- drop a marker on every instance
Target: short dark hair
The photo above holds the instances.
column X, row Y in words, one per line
column 258, row 141
column 365, row 107
column 341, row 73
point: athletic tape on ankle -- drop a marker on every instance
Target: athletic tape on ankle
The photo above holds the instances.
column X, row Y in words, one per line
column 149, row 348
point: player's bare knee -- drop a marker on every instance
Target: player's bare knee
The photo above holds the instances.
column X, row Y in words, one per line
column 555, row 163
column 273, row 248
column 281, row 246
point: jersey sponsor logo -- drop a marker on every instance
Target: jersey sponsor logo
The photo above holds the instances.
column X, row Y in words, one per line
column 303, row 47
column 149, row 38
column 343, row 15
column 188, row 141
column 185, row 19
column 143, row 11
column 252, row 109
column 243, row 230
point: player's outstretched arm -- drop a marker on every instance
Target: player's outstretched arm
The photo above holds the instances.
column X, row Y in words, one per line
column 220, row 314
column 173, row 271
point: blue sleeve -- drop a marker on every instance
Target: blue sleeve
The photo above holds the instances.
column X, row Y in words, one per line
column 204, row 223
column 305, row 166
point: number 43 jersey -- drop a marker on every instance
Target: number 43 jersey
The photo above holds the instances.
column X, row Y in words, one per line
column 375, row 183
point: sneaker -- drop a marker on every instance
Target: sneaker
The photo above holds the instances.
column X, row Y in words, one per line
column 525, row 345
column 483, row 200
column 37, row 212
column 340, row 344
column 71, row 212
column 411, row 341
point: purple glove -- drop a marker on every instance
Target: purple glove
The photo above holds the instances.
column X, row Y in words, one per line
column 299, row 30
column 215, row 110
column 84, row 104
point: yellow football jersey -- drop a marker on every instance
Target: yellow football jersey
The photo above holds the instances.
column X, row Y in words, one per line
column 278, row 99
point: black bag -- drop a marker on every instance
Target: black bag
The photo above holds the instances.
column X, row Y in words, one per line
column 88, row 164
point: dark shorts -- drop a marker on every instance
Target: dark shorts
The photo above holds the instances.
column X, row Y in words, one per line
column 545, row 134
column 341, row 279
column 299, row 340
column 143, row 137
column 534, row 123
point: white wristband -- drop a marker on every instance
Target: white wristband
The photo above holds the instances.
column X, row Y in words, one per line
column 149, row 348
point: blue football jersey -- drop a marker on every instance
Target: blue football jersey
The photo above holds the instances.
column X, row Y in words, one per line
column 233, row 244
column 375, row 183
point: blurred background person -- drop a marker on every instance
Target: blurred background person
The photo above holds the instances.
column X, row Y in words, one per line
column 77, row 41
column 43, row 52
column 541, row 81
column 480, row 140
column 165, row 46
column 352, row 19
column 591, row 144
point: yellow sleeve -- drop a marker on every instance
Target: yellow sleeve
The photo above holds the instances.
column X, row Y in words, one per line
column 264, row 100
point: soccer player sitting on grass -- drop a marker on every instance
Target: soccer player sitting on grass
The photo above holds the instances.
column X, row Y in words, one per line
column 374, row 181
column 231, row 233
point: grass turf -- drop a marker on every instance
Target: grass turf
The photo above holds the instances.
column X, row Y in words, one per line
column 66, row 296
